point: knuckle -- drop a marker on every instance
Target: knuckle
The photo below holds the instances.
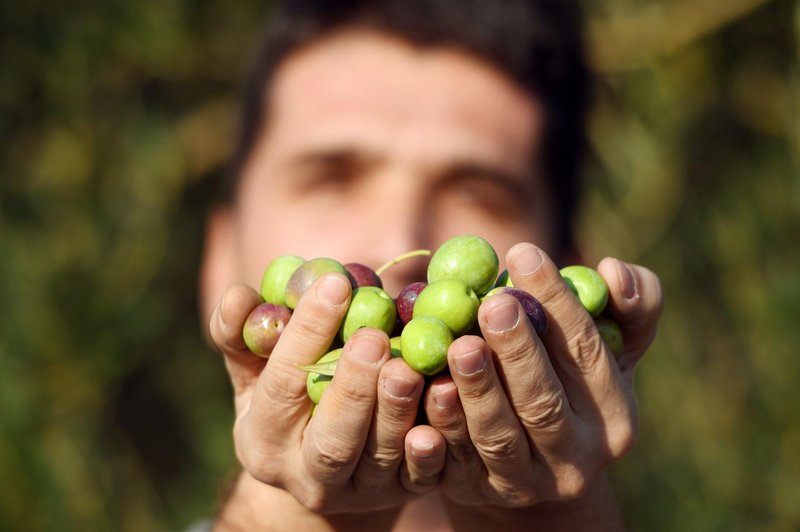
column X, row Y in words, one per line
column 573, row 485
column 623, row 439
column 330, row 456
column 353, row 391
column 280, row 388
column 501, row 446
column 383, row 459
column 587, row 350
column 545, row 412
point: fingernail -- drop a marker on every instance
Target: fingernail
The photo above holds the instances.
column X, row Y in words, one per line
column 423, row 449
column 333, row 289
column 503, row 318
column 470, row 363
column 445, row 396
column 626, row 280
column 398, row 387
column 367, row 348
column 527, row 260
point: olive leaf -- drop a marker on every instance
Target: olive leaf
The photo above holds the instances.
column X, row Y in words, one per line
column 322, row 368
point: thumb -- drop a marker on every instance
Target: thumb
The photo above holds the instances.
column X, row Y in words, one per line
column 635, row 301
column 225, row 329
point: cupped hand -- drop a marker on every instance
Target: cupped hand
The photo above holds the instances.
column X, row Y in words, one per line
column 360, row 451
column 530, row 419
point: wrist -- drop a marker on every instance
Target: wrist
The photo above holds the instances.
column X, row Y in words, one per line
column 253, row 505
column 595, row 510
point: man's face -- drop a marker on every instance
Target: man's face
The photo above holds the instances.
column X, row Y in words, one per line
column 375, row 148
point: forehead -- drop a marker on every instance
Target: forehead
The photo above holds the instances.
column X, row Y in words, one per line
column 378, row 91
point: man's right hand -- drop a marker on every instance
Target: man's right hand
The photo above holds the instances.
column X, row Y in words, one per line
column 360, row 452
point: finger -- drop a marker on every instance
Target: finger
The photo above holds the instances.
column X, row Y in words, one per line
column 225, row 329
column 334, row 439
column 494, row 429
column 635, row 302
column 280, row 406
column 399, row 391
column 445, row 413
column 590, row 377
column 531, row 382
column 464, row 468
column 425, row 451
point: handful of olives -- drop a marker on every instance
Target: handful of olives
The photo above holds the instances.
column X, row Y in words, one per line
column 425, row 317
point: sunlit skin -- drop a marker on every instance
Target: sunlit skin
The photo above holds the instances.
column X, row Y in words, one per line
column 374, row 148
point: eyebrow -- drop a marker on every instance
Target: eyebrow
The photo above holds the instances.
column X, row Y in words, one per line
column 335, row 155
column 360, row 156
column 514, row 182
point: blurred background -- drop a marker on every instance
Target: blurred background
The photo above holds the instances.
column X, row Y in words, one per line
column 116, row 118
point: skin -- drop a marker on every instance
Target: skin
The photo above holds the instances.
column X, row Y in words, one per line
column 375, row 148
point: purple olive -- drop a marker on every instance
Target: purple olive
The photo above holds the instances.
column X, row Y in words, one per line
column 361, row 275
column 532, row 307
column 304, row 276
column 407, row 298
column 264, row 326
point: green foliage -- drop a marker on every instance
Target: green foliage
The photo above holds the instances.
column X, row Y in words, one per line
column 116, row 119
column 697, row 175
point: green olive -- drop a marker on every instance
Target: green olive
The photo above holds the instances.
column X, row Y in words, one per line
column 424, row 343
column 588, row 285
column 316, row 384
column 450, row 300
column 370, row 307
column 611, row 333
column 467, row 257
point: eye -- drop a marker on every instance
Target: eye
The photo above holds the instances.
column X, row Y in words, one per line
column 498, row 198
column 326, row 177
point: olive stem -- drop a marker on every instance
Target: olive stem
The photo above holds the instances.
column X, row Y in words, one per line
column 401, row 258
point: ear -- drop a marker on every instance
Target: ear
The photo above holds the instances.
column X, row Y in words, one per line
column 217, row 269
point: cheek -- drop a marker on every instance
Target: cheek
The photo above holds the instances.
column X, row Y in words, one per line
column 331, row 232
column 271, row 228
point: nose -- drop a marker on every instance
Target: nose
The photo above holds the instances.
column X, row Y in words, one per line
column 400, row 228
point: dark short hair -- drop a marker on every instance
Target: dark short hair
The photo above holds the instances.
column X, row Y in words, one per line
column 537, row 43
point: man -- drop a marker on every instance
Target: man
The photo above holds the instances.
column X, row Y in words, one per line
column 373, row 128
